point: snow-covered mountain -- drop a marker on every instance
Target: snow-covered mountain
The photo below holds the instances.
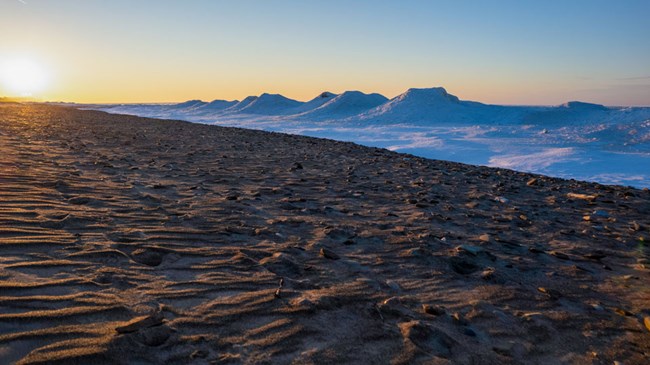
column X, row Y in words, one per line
column 270, row 104
column 433, row 105
column 215, row 106
column 348, row 104
column 316, row 102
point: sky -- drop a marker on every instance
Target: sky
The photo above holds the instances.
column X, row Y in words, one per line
column 501, row 52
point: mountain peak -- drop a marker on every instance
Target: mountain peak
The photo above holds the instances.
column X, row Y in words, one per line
column 579, row 105
column 432, row 93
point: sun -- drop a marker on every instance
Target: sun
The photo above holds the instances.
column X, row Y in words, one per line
column 22, row 76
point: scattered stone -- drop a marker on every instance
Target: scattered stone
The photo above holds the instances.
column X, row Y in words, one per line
column 79, row 200
column 600, row 213
column 469, row 332
column 596, row 255
column 597, row 307
column 432, row 340
column 622, row 312
column 532, row 182
column 329, row 254
column 484, row 237
column 147, row 257
column 435, row 310
column 581, row 196
column 462, row 265
column 473, row 250
column 458, row 319
column 636, row 226
column 393, row 306
column 559, row 255
column 488, row 273
column 138, row 323
column 551, row 293
column 535, row 250
column 199, row 354
column 154, row 336
column 232, row 196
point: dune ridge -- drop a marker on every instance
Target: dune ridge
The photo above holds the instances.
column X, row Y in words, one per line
column 132, row 240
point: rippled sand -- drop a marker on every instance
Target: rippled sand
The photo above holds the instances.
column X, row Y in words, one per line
column 132, row 240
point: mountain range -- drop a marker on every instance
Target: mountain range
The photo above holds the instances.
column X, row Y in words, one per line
column 416, row 106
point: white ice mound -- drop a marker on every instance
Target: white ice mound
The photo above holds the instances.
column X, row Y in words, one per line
column 271, row 104
column 348, row 104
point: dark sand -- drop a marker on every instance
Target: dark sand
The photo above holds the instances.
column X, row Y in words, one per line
column 131, row 240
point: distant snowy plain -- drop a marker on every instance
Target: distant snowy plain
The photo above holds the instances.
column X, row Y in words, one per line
column 609, row 145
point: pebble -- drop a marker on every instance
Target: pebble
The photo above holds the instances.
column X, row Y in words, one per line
column 601, row 213
column 488, row 273
column 580, row 196
column 473, row 250
column 147, row 257
column 532, row 182
column 329, row 254
column 552, row 293
column 469, row 332
column 458, row 319
column 597, row 307
column 435, row 310
column 646, row 322
column 622, row 312
column 559, row 255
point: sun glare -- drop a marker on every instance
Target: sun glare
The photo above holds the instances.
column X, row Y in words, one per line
column 22, row 77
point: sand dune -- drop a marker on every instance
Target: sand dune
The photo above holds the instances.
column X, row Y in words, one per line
column 132, row 240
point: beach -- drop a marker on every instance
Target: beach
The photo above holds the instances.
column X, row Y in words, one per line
column 133, row 240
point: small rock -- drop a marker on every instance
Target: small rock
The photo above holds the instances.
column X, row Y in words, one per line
column 433, row 309
column 473, row 250
column 79, row 200
column 199, row 354
column 581, row 196
column 597, row 307
column 458, row 319
column 559, row 255
column 646, row 322
column 552, row 293
column 596, row 255
column 469, row 332
column 600, row 213
column 622, row 312
column 154, row 336
column 484, row 237
column 488, row 273
column 329, row 254
column 147, row 257
column 532, row 182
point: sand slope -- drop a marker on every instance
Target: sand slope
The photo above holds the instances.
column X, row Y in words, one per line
column 130, row 240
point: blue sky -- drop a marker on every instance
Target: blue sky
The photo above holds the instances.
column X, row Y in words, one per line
column 506, row 52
